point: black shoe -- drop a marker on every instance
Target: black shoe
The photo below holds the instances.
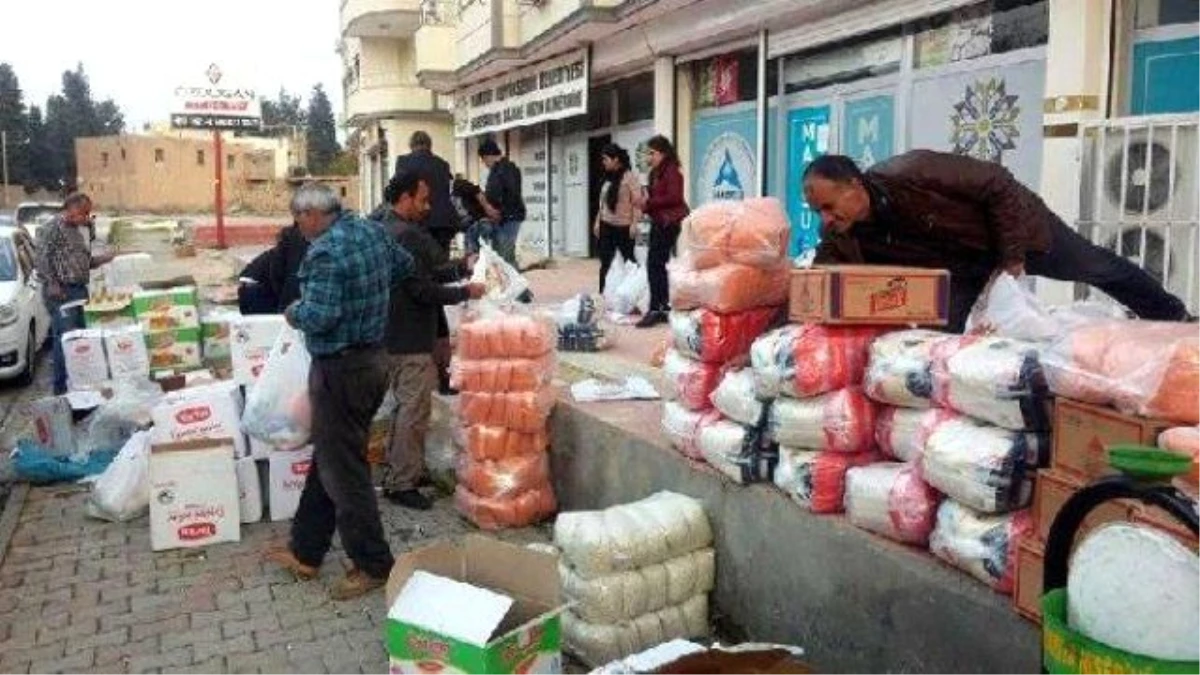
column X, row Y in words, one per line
column 409, row 499
column 447, row 390
column 652, row 319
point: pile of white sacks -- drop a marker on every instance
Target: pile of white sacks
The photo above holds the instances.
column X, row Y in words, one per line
column 637, row 575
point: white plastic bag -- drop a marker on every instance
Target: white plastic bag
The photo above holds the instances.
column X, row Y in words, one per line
column 278, row 409
column 1009, row 308
column 504, row 283
column 634, row 291
column 122, row 492
column 736, row 398
column 616, row 276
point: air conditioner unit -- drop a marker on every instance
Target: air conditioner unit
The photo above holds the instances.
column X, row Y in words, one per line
column 1139, row 198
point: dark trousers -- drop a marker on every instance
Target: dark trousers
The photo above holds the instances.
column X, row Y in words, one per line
column 611, row 240
column 61, row 323
column 662, row 247
column 338, row 494
column 1074, row 258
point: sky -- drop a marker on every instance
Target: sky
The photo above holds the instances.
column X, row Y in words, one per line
column 137, row 51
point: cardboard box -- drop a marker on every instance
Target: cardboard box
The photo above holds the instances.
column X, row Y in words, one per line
column 866, row 294
column 176, row 350
column 1052, row 491
column 1083, row 432
column 193, row 494
column 201, row 413
column 86, row 363
column 1153, row 516
column 53, row 424
column 127, row 271
column 483, row 606
column 109, row 311
column 1027, row 593
column 127, row 353
column 251, row 342
column 167, row 309
column 216, row 331
column 250, row 496
column 287, row 472
column 377, row 441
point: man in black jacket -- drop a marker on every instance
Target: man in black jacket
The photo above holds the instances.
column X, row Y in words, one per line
column 273, row 274
column 411, row 335
column 502, row 200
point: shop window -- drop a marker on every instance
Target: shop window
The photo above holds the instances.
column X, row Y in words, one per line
column 1152, row 14
column 869, row 56
column 729, row 79
column 600, row 107
column 635, row 98
column 992, row 27
column 1163, row 63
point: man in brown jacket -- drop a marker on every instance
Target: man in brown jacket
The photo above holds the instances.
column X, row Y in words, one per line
column 933, row 209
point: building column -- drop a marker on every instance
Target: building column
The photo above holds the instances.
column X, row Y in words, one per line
column 664, row 96
column 1077, row 73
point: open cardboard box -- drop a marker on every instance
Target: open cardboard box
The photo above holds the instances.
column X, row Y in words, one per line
column 482, row 606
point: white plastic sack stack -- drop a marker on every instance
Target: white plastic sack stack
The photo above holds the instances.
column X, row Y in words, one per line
column 891, row 499
column 899, row 368
column 997, row 380
column 736, row 397
column 981, row 466
column 638, row 575
column 723, row 445
column 1136, row 589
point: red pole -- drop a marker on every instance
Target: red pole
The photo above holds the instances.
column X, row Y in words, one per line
column 219, row 160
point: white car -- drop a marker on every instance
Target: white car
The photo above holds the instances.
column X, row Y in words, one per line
column 24, row 320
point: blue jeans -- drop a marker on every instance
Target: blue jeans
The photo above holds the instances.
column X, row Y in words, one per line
column 479, row 231
column 61, row 323
column 504, row 240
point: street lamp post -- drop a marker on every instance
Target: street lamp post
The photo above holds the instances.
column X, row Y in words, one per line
column 4, row 161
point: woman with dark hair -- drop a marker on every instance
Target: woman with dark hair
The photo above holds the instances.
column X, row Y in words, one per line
column 667, row 209
column 621, row 201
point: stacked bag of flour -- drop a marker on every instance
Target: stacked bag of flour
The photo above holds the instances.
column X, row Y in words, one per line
column 727, row 287
column 637, row 575
column 818, row 417
column 967, row 416
column 503, row 371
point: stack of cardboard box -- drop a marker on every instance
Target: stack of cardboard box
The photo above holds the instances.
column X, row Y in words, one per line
column 1082, row 435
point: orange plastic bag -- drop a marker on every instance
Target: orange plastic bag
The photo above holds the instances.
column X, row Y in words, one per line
column 522, row 510
column 507, row 336
column 808, row 360
column 504, row 478
column 727, row 288
column 493, row 443
column 525, row 411
column 689, row 381
column 502, row 375
column 751, row 232
column 710, row 337
column 1142, row 367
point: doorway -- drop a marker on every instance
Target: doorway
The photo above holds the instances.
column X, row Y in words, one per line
column 595, row 182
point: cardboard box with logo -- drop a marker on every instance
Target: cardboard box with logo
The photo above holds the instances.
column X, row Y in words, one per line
column 1083, row 432
column 201, row 413
column 866, row 294
column 177, row 350
column 109, row 311
column 83, row 351
column 128, row 356
column 251, row 340
column 479, row 606
column 167, row 309
column 287, row 471
column 193, row 494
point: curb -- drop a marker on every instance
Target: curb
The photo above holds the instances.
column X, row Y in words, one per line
column 11, row 516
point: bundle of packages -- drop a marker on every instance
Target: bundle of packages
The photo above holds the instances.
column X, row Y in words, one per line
column 817, row 480
column 981, row 545
column 738, row 451
column 683, row 426
column 984, row 467
column 729, row 288
column 891, row 499
column 843, row 421
column 901, row 433
column 808, row 360
column 750, row 232
column 636, row 574
column 736, row 398
column 579, row 328
column 900, row 368
column 1143, row 368
column 690, row 383
column 705, row 335
column 997, row 380
column 503, row 370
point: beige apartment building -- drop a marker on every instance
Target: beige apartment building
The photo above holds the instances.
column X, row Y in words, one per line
column 388, row 49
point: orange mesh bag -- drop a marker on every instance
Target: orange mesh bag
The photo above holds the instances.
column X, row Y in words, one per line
column 507, row 336
column 727, row 288
column 521, row 510
column 492, row 443
column 502, row 375
column 711, row 337
column 525, row 411
column 504, row 478
column 751, row 232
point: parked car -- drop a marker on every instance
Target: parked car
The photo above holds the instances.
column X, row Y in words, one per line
column 31, row 215
column 24, row 321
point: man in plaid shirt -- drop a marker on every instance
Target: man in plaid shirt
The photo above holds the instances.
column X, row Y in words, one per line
column 345, row 284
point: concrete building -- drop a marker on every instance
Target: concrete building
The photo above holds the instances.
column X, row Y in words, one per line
column 1093, row 103
column 386, row 47
column 174, row 173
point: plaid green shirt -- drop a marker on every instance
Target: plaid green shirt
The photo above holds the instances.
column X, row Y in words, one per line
column 345, row 282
